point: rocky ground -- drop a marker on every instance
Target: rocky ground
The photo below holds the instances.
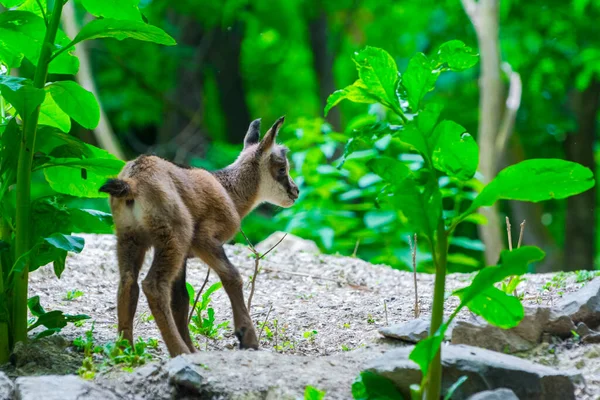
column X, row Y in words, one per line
column 324, row 313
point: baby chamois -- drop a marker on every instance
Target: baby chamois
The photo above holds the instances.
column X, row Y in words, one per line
column 181, row 211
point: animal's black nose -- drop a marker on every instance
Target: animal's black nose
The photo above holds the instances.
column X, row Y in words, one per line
column 294, row 191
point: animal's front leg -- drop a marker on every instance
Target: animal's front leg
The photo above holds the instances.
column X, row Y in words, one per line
column 232, row 283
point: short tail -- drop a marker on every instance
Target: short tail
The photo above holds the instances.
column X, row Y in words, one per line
column 118, row 188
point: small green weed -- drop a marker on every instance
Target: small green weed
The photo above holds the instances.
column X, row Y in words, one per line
column 312, row 393
column 73, row 294
column 584, row 275
column 203, row 320
column 310, row 335
column 370, row 319
column 345, row 348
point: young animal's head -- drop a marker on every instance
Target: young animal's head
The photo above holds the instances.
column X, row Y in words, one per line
column 276, row 186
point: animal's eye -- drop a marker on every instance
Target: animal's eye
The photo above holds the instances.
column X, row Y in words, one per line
column 282, row 171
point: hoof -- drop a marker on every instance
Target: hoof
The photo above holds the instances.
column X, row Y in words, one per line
column 247, row 338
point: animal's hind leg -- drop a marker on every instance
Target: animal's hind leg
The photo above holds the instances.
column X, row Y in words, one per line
column 170, row 250
column 180, row 305
column 130, row 253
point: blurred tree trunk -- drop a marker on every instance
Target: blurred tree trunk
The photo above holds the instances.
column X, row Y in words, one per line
column 188, row 91
column 484, row 16
column 225, row 57
column 580, row 237
column 323, row 59
column 103, row 133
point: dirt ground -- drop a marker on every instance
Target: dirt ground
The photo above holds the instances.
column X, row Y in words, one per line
column 322, row 304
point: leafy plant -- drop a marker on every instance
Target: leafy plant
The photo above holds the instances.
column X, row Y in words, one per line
column 310, row 335
column 203, row 320
column 445, row 153
column 312, row 393
column 370, row 386
column 53, row 321
column 49, row 165
column 73, row 294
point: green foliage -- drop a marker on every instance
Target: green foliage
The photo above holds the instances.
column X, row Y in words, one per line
column 38, row 177
column 203, row 319
column 312, row 393
column 416, row 190
column 73, row 294
column 370, row 386
column 53, row 321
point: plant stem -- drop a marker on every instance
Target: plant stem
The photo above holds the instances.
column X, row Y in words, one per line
column 437, row 315
column 23, row 208
column 4, row 332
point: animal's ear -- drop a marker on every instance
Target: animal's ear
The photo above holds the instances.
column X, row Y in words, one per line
column 253, row 133
column 269, row 139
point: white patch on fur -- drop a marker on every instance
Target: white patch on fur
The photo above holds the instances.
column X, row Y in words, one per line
column 271, row 191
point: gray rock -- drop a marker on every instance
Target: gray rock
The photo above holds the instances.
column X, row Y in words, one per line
column 593, row 337
column 583, row 305
column 583, row 330
column 412, row 331
column 521, row 338
column 291, row 244
column 498, row 394
column 6, row 387
column 184, row 374
column 59, row 387
column 559, row 325
column 485, row 370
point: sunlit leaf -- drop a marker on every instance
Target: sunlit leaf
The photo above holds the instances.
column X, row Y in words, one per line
column 536, row 180
column 120, row 29
column 117, row 9
column 379, row 73
column 456, row 56
column 52, row 115
column 456, row 153
column 357, row 93
column 418, row 79
column 77, row 102
column 496, row 307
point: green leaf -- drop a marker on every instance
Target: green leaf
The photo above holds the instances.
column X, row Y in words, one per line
column 61, row 145
column 82, row 177
column 536, row 180
column 66, row 242
column 357, row 93
column 11, row 3
column 426, row 349
column 58, row 264
column 33, row 303
column 428, row 117
column 117, row 9
column 21, row 34
column 456, row 56
column 312, row 393
column 52, row 115
column 9, row 147
column 21, row 94
column 378, row 72
column 413, row 137
column 90, row 221
column 191, row 293
column 421, row 211
column 511, row 263
column 77, row 102
column 496, row 307
column 371, row 386
column 120, row 29
column 456, row 153
column 54, row 320
column 418, row 79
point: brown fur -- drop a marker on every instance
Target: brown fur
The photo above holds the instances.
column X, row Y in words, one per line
column 190, row 211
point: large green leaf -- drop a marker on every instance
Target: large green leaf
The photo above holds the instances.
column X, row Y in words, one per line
column 428, row 117
column 21, row 34
column 52, row 115
column 371, row 386
column 81, row 177
column 511, row 263
column 426, row 349
column 536, row 180
column 90, row 221
column 378, row 71
column 456, row 56
column 117, row 9
column 120, row 29
column 77, row 102
column 357, row 93
column 418, row 79
column 456, row 153
column 21, row 94
column 496, row 307
column 412, row 136
column 11, row 3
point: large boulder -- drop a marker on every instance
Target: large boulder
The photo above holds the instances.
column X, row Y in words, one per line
column 291, row 244
column 484, row 369
column 6, row 387
column 60, row 387
column 582, row 305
